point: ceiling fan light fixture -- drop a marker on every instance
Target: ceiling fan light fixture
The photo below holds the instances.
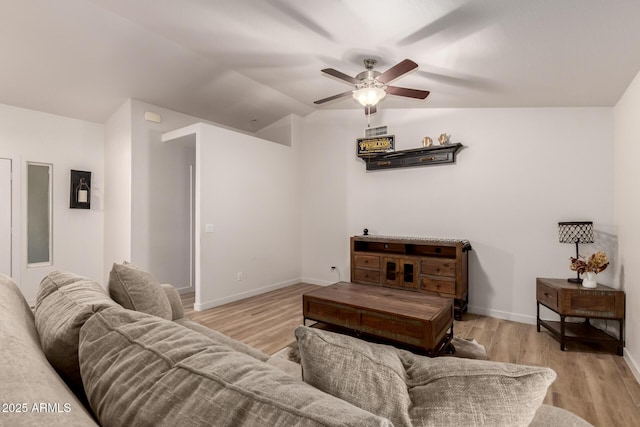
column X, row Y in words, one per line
column 369, row 95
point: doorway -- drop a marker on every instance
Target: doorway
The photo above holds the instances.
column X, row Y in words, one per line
column 171, row 210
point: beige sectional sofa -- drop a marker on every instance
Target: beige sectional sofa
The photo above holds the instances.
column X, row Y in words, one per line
column 85, row 357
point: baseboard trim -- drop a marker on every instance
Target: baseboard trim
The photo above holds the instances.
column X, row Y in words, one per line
column 185, row 290
column 312, row 281
column 505, row 315
column 631, row 362
column 243, row 295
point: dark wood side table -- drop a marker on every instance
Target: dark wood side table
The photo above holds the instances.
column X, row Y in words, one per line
column 573, row 300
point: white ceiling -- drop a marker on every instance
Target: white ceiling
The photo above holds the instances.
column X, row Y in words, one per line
column 235, row 61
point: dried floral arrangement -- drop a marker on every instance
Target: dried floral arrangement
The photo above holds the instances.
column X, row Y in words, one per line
column 596, row 263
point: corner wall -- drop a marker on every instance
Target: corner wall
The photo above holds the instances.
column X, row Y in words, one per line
column 522, row 171
column 627, row 212
column 249, row 195
column 117, row 212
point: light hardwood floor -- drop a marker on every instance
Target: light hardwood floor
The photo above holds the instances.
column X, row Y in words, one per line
column 595, row 385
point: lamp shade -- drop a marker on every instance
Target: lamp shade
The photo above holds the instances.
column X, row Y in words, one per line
column 575, row 232
column 369, row 95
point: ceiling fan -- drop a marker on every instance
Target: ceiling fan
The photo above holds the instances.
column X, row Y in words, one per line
column 372, row 86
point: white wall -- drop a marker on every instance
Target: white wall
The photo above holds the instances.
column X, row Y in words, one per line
column 117, row 210
column 66, row 143
column 249, row 191
column 627, row 212
column 522, row 171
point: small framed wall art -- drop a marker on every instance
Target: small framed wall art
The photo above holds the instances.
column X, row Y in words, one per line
column 80, row 193
column 376, row 145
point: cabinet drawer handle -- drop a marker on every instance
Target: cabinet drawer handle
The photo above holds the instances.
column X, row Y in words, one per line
column 427, row 159
column 387, row 163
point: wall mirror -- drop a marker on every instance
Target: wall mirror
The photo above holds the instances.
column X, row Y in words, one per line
column 39, row 214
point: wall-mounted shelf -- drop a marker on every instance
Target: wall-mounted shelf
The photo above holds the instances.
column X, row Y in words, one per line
column 415, row 157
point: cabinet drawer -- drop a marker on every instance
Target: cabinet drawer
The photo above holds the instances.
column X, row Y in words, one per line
column 439, row 267
column 367, row 261
column 442, row 285
column 373, row 163
column 547, row 295
column 366, row 276
column 429, row 158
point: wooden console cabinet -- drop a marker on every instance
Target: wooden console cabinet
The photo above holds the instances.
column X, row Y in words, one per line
column 436, row 266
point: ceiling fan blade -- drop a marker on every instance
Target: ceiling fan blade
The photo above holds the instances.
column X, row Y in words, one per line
column 341, row 75
column 370, row 109
column 410, row 93
column 397, row 70
column 331, row 98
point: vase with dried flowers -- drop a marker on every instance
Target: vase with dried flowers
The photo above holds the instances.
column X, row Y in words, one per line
column 590, row 267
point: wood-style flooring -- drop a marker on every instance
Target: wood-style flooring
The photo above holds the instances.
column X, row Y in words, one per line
column 596, row 385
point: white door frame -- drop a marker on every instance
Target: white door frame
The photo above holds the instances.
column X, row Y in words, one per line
column 15, row 216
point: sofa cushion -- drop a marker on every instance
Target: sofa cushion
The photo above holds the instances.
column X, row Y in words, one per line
column 64, row 302
column 146, row 371
column 439, row 391
column 26, row 377
column 223, row 339
column 135, row 289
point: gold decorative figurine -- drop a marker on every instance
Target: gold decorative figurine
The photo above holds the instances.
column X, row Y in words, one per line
column 427, row 141
column 443, row 139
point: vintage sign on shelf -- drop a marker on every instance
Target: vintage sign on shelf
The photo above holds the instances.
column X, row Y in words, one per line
column 371, row 146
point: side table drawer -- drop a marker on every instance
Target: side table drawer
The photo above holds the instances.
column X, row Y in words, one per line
column 547, row 295
column 599, row 304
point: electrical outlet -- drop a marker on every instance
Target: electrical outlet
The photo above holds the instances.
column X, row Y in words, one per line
column 239, row 276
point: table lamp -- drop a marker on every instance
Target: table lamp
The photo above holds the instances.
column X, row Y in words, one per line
column 576, row 232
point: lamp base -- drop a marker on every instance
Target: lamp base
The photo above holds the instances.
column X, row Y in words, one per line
column 574, row 280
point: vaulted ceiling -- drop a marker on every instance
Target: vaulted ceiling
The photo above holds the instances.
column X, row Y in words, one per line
column 247, row 63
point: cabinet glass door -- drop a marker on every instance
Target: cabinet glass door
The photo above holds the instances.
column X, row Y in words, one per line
column 401, row 272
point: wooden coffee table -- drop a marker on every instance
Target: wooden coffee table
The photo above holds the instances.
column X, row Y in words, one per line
column 419, row 321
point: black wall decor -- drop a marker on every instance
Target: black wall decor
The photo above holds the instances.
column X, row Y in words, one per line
column 80, row 194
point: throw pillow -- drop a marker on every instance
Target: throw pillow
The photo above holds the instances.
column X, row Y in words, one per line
column 135, row 289
column 141, row 370
column 453, row 391
column 371, row 377
column 441, row 391
column 63, row 303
